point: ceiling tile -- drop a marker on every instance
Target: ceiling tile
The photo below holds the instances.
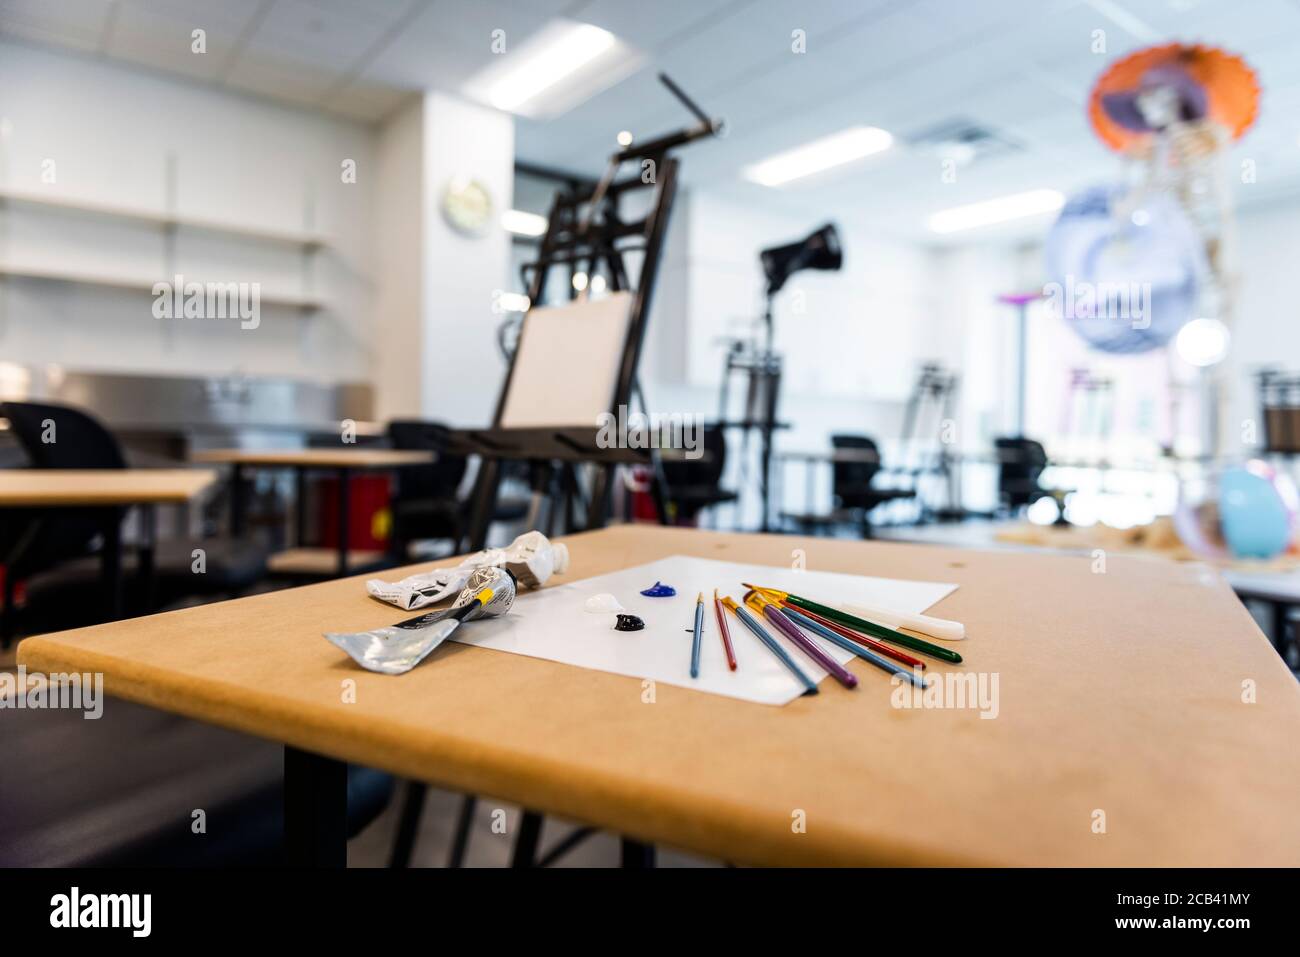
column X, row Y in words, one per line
column 78, row 24
column 230, row 16
column 332, row 38
column 452, row 39
column 145, row 35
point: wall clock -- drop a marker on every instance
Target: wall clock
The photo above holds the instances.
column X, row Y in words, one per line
column 467, row 206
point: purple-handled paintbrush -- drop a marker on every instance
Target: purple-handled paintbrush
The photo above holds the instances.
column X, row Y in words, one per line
column 805, row 644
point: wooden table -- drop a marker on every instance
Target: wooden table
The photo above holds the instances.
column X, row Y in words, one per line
column 50, row 488
column 338, row 460
column 43, row 489
column 811, row 459
column 1119, row 692
column 1279, row 589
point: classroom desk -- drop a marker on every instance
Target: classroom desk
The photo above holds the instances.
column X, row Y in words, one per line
column 1280, row 591
column 811, row 458
column 40, row 489
column 1119, row 692
column 340, row 461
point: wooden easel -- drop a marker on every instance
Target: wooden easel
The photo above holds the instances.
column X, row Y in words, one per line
column 585, row 232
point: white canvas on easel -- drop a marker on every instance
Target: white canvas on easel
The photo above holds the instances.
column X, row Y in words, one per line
column 567, row 362
column 553, row 623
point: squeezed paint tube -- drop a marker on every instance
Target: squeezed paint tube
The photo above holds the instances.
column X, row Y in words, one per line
column 532, row 558
column 394, row 650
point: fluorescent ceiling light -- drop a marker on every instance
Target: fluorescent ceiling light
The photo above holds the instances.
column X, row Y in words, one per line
column 523, row 224
column 1000, row 210
column 554, row 69
column 823, row 154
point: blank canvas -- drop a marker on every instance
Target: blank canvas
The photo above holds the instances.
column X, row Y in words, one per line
column 566, row 363
column 553, row 624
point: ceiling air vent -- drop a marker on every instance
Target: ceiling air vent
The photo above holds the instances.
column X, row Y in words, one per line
column 963, row 141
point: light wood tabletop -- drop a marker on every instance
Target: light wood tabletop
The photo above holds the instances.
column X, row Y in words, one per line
column 361, row 458
column 89, row 487
column 1141, row 716
column 317, row 561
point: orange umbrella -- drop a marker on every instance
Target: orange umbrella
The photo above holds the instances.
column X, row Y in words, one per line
column 1214, row 82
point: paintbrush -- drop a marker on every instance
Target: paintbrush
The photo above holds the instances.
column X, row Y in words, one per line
column 771, row 644
column 860, row 624
column 805, row 644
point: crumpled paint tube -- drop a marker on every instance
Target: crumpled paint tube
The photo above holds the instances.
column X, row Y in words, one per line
column 531, row 558
column 398, row 648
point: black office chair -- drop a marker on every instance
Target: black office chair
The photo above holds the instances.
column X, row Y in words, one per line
column 59, row 560
column 853, row 482
column 425, row 503
column 695, row 484
column 125, row 786
column 1020, row 464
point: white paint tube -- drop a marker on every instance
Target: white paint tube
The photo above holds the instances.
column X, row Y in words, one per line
column 531, row 558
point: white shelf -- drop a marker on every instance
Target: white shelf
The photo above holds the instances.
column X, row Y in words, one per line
column 139, row 283
column 167, row 220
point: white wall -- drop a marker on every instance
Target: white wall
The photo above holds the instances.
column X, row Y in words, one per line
column 109, row 131
column 1267, row 323
column 400, row 271
column 462, row 367
column 852, row 340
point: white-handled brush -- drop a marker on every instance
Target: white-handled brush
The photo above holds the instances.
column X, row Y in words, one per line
column 940, row 628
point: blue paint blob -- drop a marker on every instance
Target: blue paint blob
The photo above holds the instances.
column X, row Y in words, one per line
column 660, row 590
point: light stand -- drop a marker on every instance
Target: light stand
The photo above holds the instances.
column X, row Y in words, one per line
column 762, row 368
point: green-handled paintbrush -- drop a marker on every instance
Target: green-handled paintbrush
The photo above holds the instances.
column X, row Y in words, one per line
column 862, row 625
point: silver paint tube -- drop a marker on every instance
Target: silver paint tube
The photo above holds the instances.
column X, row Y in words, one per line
column 398, row 648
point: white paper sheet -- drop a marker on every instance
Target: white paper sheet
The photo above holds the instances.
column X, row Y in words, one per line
column 554, row 624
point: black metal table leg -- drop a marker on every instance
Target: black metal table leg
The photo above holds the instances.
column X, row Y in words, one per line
column 765, row 478
column 483, row 503
column 637, row 855
column 149, row 540
column 299, row 506
column 344, row 515
column 598, row 507
column 315, row 810
column 236, row 500
column 464, row 821
column 408, row 825
column 530, row 835
column 110, row 567
column 1281, row 620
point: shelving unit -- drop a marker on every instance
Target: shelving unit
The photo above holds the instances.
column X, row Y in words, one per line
column 141, row 283
column 163, row 219
column 170, row 222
